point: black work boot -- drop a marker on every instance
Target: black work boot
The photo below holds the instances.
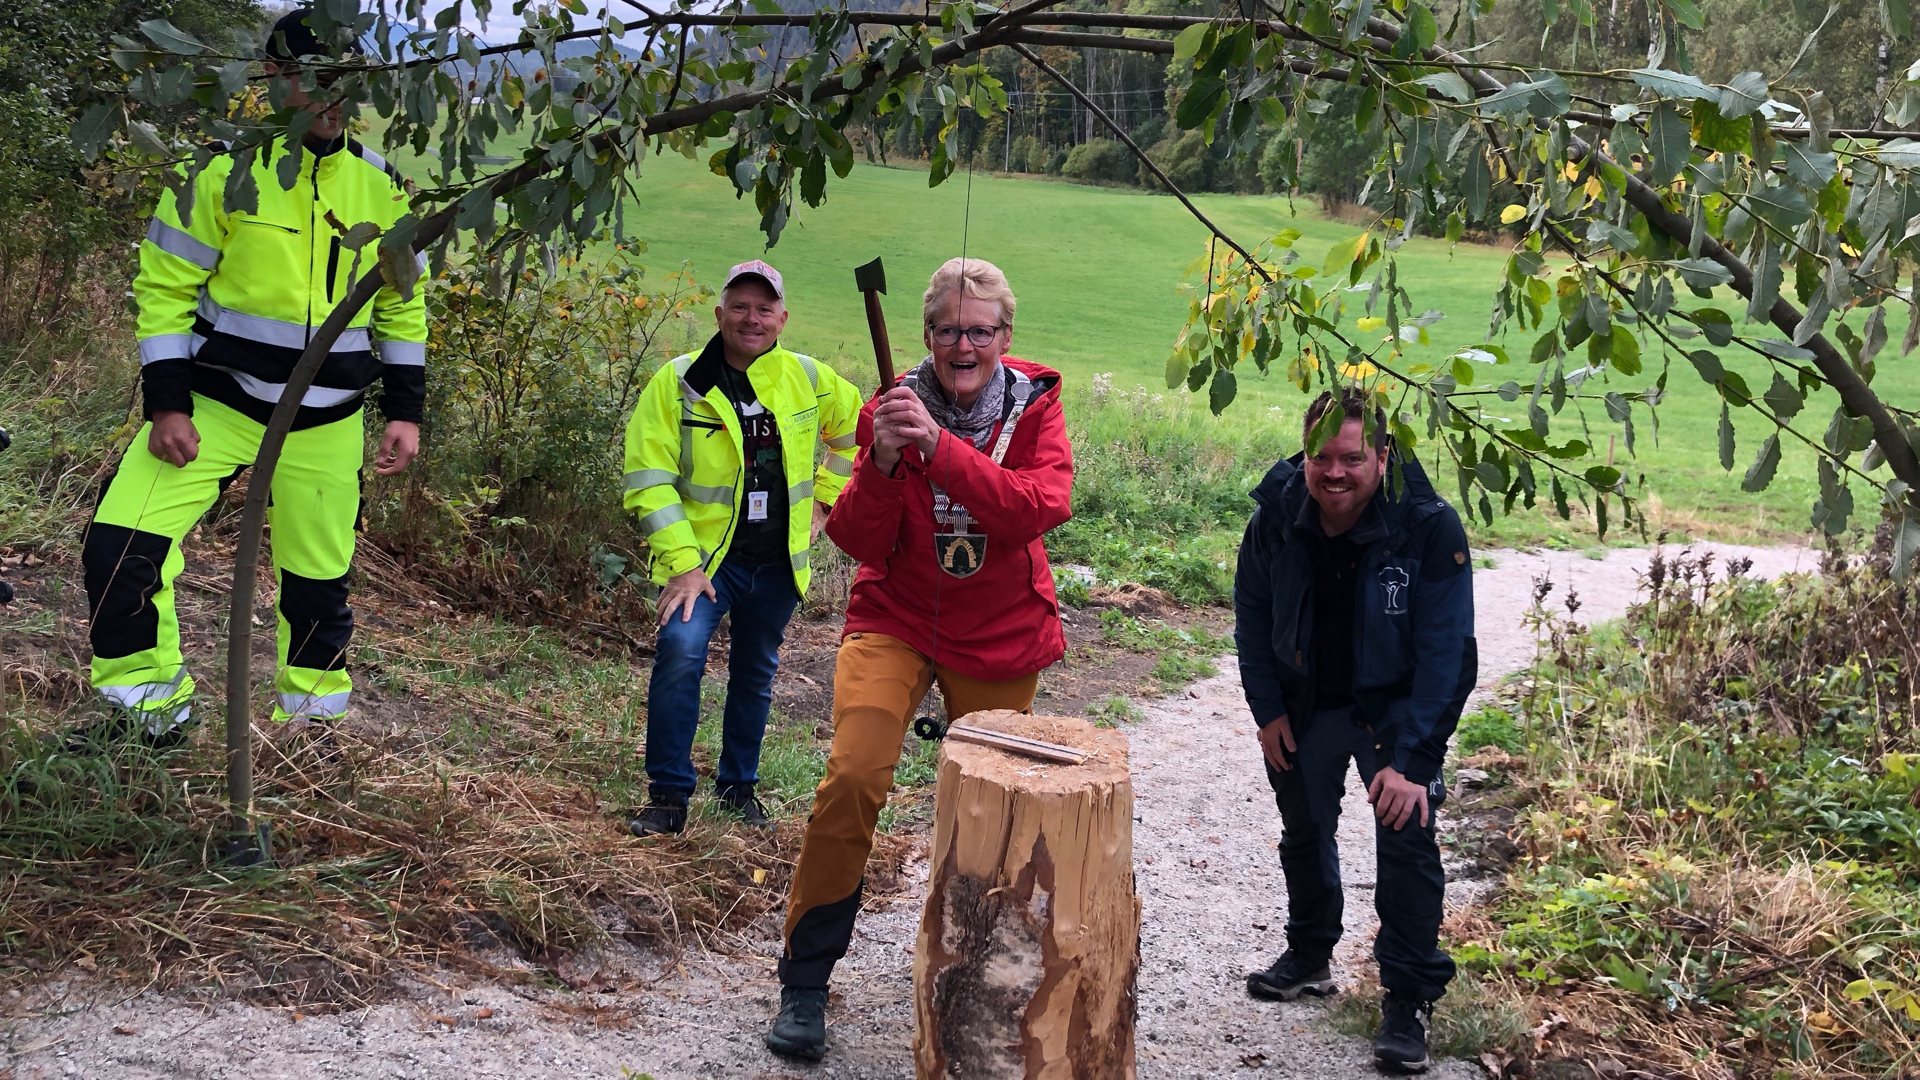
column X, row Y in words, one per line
column 1401, row 1045
column 662, row 816
column 740, row 801
column 1291, row 976
column 800, row 1031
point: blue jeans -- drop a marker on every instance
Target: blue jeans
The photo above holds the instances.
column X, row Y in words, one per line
column 761, row 599
column 1409, row 884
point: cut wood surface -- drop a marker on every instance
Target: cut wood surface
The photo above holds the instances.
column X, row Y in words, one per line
column 1029, row 944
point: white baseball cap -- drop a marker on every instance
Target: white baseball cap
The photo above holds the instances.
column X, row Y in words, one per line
column 756, row 268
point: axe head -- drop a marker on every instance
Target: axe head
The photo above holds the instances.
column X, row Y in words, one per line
column 870, row 278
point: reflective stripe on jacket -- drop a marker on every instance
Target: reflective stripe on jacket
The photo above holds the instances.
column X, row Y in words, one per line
column 685, row 466
column 229, row 300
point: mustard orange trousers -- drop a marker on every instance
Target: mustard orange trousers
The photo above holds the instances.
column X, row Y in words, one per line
column 878, row 682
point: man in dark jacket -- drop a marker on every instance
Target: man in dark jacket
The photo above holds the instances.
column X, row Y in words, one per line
column 1353, row 618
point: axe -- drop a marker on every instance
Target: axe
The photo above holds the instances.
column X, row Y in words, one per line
column 871, row 280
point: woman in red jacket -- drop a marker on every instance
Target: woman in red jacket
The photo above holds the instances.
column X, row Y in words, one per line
column 964, row 466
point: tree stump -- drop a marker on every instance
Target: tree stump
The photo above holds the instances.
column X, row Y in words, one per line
column 1029, row 946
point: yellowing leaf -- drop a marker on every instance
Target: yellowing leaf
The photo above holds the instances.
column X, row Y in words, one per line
column 759, row 876
column 1514, row 212
column 1358, row 372
column 1370, row 322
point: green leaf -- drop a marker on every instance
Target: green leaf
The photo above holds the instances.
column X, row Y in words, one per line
column 146, row 139
column 1766, row 282
column 1545, row 97
column 1220, row 392
column 1342, row 254
column 1784, row 350
column 1674, row 85
column 1687, row 14
column 1897, row 18
column 171, row 38
column 1177, row 365
column 1419, row 33
column 94, row 128
column 1807, row 166
column 1670, row 138
column 1716, row 324
column 1201, row 102
column 1625, row 353
column 1836, row 502
column 1604, row 477
column 1744, row 94
column 1703, row 273
column 1898, row 154
column 1708, row 365
column 1726, row 437
column 1782, row 208
column 1784, row 398
column 1448, row 84
column 1906, row 541
column 1760, row 473
column 1186, row 45
column 1713, row 131
column 1477, row 184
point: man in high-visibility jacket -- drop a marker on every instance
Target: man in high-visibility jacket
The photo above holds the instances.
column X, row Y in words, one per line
column 227, row 302
column 720, row 471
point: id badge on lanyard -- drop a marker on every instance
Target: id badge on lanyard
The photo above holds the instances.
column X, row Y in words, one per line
column 756, row 506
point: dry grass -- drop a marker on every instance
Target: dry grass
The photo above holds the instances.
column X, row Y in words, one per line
column 458, row 819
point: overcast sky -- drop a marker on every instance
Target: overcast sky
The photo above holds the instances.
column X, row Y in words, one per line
column 503, row 25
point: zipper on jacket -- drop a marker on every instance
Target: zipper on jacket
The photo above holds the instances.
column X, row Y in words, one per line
column 333, row 266
column 270, row 225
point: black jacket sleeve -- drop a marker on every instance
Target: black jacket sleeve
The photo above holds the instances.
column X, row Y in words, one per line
column 1445, row 663
column 1253, row 625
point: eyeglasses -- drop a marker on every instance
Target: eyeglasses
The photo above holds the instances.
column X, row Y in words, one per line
column 980, row 336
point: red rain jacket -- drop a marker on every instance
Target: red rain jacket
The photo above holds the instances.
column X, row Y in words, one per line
column 1001, row 620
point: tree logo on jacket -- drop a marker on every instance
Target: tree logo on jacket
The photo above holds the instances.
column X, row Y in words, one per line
column 1394, row 580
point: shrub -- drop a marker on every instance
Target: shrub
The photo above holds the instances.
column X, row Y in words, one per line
column 1186, row 159
column 1029, row 154
column 535, row 380
column 1100, row 161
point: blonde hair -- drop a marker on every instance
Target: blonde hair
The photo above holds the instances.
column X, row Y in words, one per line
column 976, row 278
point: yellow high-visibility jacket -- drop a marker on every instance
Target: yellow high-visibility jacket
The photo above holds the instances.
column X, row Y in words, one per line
column 685, row 466
column 228, row 301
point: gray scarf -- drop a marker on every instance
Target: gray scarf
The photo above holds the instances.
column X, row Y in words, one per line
column 974, row 425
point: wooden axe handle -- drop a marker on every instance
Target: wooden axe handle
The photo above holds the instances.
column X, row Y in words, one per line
column 882, row 352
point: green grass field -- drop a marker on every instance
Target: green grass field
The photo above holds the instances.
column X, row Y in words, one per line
column 1099, row 273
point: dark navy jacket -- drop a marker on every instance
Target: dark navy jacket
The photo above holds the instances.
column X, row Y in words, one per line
column 1414, row 656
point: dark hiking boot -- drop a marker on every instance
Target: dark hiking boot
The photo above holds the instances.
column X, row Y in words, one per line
column 740, row 801
column 120, row 727
column 1291, row 976
column 1401, row 1046
column 659, row 819
column 800, row 1031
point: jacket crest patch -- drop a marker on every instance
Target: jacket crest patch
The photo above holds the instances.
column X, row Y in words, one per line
column 960, row 554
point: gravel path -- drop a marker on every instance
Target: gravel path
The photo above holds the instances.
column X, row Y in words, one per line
column 1206, row 872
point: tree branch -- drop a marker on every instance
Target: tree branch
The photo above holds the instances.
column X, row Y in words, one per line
column 431, row 231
